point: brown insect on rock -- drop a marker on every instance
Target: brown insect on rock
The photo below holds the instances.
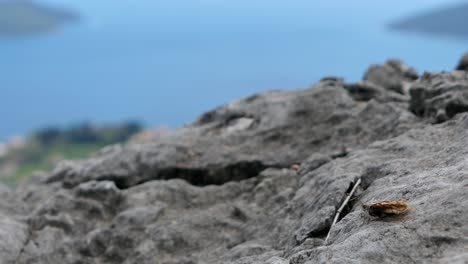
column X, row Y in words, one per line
column 388, row 208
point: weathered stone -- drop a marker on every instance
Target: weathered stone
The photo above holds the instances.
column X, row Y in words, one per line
column 237, row 141
column 394, row 75
column 440, row 96
column 463, row 64
column 260, row 180
column 367, row 90
column 13, row 236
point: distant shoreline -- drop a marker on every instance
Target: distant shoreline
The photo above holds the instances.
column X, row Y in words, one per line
column 445, row 22
column 19, row 18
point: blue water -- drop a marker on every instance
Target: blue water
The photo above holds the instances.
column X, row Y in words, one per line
column 167, row 61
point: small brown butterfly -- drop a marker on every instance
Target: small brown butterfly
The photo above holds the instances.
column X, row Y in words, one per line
column 388, row 208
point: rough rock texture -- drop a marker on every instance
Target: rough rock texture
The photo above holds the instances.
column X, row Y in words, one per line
column 463, row 64
column 440, row 96
column 393, row 75
column 367, row 90
column 259, row 180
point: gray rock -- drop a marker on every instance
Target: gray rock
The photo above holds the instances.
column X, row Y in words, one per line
column 14, row 235
column 260, row 180
column 277, row 260
column 435, row 231
column 237, row 141
column 313, row 162
column 463, row 64
column 367, row 90
column 394, row 75
column 440, row 96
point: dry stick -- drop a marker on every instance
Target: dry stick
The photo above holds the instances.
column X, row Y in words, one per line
column 337, row 215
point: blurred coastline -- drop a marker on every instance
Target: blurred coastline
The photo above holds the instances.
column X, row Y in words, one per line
column 43, row 149
column 25, row 17
column 448, row 21
column 166, row 62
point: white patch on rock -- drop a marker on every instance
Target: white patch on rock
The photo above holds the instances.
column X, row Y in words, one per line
column 240, row 124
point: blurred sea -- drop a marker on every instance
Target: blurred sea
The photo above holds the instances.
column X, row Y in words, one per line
column 167, row 61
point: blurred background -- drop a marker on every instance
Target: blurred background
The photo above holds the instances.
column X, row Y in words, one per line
column 76, row 75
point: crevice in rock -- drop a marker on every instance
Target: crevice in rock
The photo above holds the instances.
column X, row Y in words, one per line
column 454, row 108
column 321, row 233
column 344, row 207
column 120, row 182
column 343, row 152
column 223, row 118
column 239, row 214
column 352, row 202
column 214, row 176
column 239, row 171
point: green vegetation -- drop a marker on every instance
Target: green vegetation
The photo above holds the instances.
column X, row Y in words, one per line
column 45, row 148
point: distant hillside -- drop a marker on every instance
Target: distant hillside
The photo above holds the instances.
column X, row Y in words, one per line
column 26, row 17
column 45, row 148
column 449, row 21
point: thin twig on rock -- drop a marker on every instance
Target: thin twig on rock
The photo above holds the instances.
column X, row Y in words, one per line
column 345, row 202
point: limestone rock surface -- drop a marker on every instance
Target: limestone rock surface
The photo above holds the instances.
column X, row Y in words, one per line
column 259, row 180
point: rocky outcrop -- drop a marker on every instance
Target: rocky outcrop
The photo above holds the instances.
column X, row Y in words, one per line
column 259, row 180
column 463, row 64
column 394, row 75
column 440, row 96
